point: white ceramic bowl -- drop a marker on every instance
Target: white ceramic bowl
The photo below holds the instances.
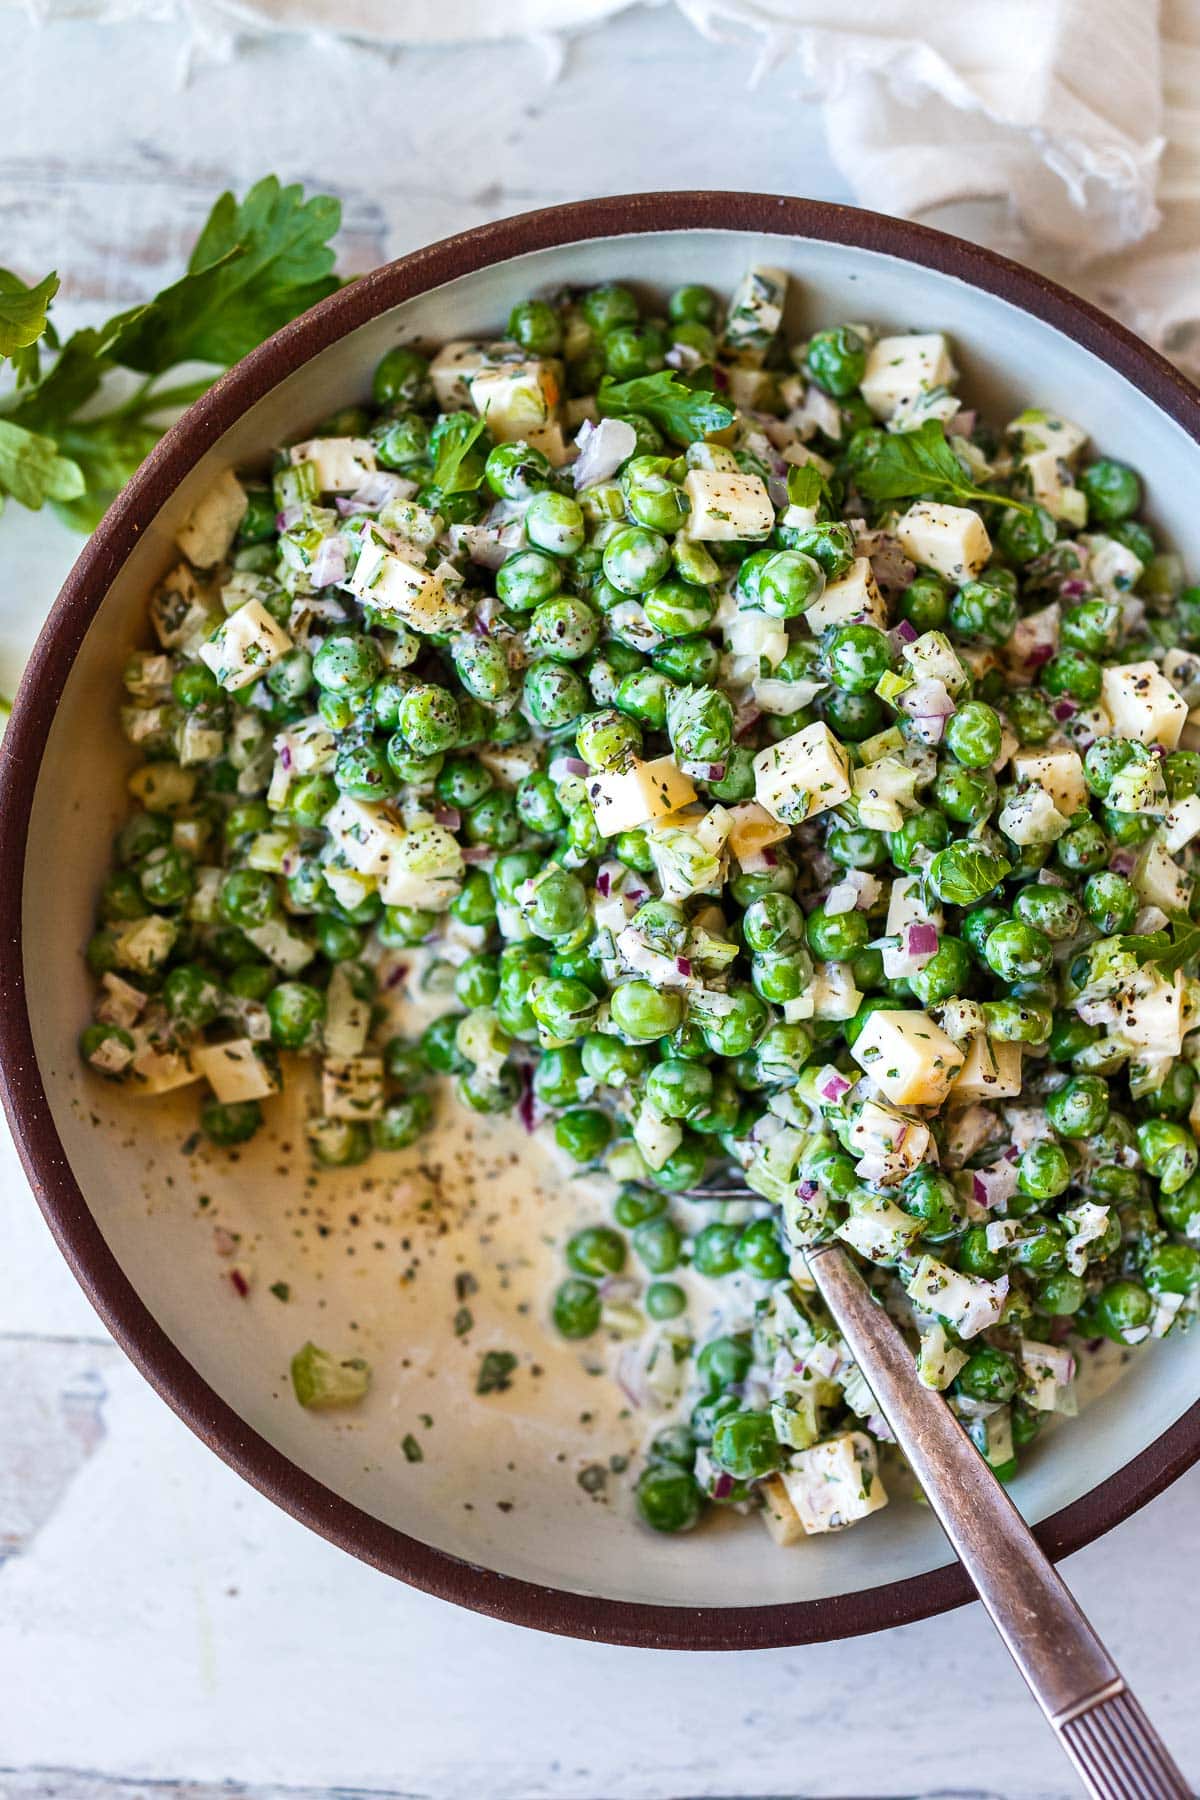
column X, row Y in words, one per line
column 490, row 1518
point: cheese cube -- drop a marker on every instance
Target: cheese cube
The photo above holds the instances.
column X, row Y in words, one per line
column 950, row 540
column 752, row 390
column 1181, row 823
column 281, row 945
column 207, row 534
column 1152, row 1017
column 1031, row 817
column 1050, row 486
column 245, row 646
column 1112, row 566
column 425, row 869
column 931, row 657
column 509, row 764
column 339, row 464
column 755, row 638
column 1035, row 430
column 1048, row 1377
column 235, row 1071
column 365, row 832
column 908, row 1056
column 143, row 945
column 853, row 598
column 835, row 1483
column 968, row 1302
column 1160, row 881
column 657, row 1138
column 517, row 399
column 122, row 1004
column 878, row 1229
column 347, row 1018
column 752, row 830
column 755, row 314
column 182, row 611
column 352, row 1087
column 992, row 1071
column 802, row 775
column 1059, row 772
column 403, row 590
column 1142, row 704
column 156, row 1071
column 834, row 995
column 778, row 1514
column 727, row 507
column 901, row 368
column 626, row 798
column 453, row 369
column 907, row 906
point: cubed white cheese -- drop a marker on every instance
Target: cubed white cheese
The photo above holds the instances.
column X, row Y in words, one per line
column 657, row 1138
column 1112, row 566
column 931, row 657
column 403, row 590
column 1181, row 823
column 727, row 507
column 121, row 1003
column 425, row 869
column 755, row 638
column 907, row 905
column 1151, row 1017
column 878, row 1229
column 206, row 535
column 853, row 599
column 626, row 798
column 235, row 1071
column 517, row 399
column 991, row 1071
column 1059, row 772
column 778, row 1514
column 366, row 833
column 347, row 1018
column 883, row 789
column 802, row 775
column 143, row 945
column 281, row 945
column 307, row 747
column 1030, row 816
column 509, row 764
column 755, row 314
column 1160, row 881
column 197, row 742
column 182, row 610
column 453, row 369
column 968, row 1302
column 909, row 1057
column 835, row 1483
column 1142, row 704
column 339, row 464
column 752, row 830
column 1050, row 486
column 1048, row 1377
column 950, row 540
column 248, row 644
column 901, row 368
column 348, row 887
column 833, row 993
column 1035, row 430
column 352, row 1087
column 157, row 1071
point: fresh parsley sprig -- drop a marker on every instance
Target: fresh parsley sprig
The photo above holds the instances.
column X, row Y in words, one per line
column 257, row 263
column 909, row 465
column 684, row 414
column 1168, row 951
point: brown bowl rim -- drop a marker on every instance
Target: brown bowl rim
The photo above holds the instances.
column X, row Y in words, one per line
column 59, row 1196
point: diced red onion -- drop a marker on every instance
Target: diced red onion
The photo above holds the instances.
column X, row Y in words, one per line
column 1064, row 709
column 349, row 509
column 833, row 1086
column 240, row 1285
column 683, row 965
column 903, row 633
column 807, row 1190
column 291, row 515
column 382, row 487
column 723, row 1485
column 922, row 940
column 964, row 421
column 329, row 564
column 527, row 1104
column 603, row 884
column 1041, row 653
column 720, row 379
column 926, row 700
column 1073, row 588
column 1122, row 862
column 746, row 718
column 449, row 816
column 996, row 1184
column 707, row 771
column 476, row 853
column 567, row 765
column 396, row 976
column 285, row 755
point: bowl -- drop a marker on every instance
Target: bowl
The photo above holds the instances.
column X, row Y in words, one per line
column 495, row 1514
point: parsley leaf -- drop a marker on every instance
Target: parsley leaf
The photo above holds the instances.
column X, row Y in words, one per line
column 964, row 872
column 31, row 469
column 806, row 486
column 23, row 320
column 1167, row 952
column 255, row 266
column 911, row 464
column 685, row 414
column 456, row 471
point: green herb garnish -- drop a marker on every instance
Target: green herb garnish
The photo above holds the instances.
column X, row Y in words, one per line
column 1167, row 951
column 456, row 471
column 683, row 413
column 256, row 265
column 413, row 1452
column 494, row 1372
column 909, row 465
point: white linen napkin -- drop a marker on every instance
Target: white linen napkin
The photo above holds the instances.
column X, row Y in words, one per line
column 1062, row 131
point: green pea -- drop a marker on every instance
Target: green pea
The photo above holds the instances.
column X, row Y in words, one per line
column 554, row 694
column 527, row 578
column 168, row 876
column 643, row 1013
column 857, row 655
column 399, row 443
column 1122, row 1308
column 925, row 603
column 231, row 1122
column 928, row 831
column 946, row 974
column 633, row 350
column 636, row 560
column 1169, row 1152
column 984, row 609
column 665, row 1300
column 577, row 1308
column 1093, row 626
column 597, row 1251
column 1044, row 1171
column 973, row 735
column 1172, row 1269
column 536, row 326
column 611, row 1061
column 1113, row 491
column 1174, row 1098
column 249, row 897
column 759, row 1252
column 733, row 1032
column 788, row 581
column 929, row 1196
column 347, row 664
column 402, row 1122
column 1078, row 1108
column 988, row 1375
column 974, row 1256
column 1061, row 1294
column 657, row 1245
column 968, row 796
column 1074, row 673
column 837, row 360
column 1022, row 536
column 584, row 1133
column 678, row 1088
column 1083, row 850
column 856, row 847
column 668, row 1498
column 836, row 937
column 1018, row 952
column 1015, row 1020
column 493, row 820
column 745, row 1446
column 714, row 1250
column 1029, row 716
column 401, row 378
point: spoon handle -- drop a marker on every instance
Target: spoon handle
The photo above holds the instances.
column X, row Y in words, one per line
column 1117, row 1752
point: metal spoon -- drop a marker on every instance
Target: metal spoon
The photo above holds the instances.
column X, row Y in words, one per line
column 1116, row 1750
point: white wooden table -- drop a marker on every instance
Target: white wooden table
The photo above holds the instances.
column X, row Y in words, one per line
column 160, row 1625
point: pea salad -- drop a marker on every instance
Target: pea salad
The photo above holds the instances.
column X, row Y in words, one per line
column 773, row 764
